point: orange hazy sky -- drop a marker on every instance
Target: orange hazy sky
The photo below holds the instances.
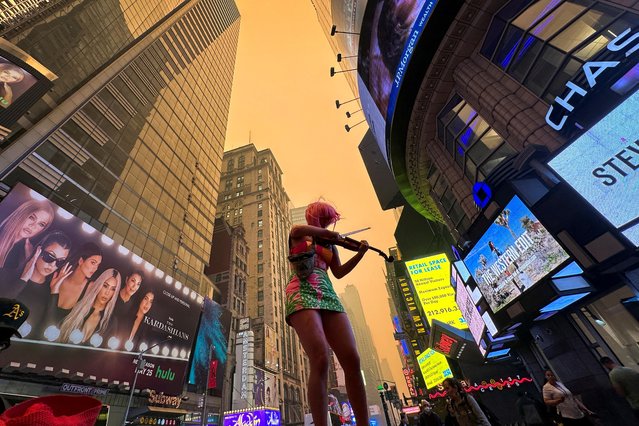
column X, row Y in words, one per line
column 283, row 95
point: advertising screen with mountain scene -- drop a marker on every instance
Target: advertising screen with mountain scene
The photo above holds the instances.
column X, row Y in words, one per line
column 514, row 254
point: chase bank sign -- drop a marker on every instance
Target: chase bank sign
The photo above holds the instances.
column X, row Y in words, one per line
column 592, row 70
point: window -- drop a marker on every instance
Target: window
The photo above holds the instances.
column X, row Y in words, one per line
column 260, row 244
column 260, row 205
column 260, row 295
column 260, row 311
column 469, row 139
column 260, row 196
column 260, row 267
column 229, row 184
column 543, row 44
column 259, row 186
column 259, row 213
column 260, row 255
column 240, row 162
column 260, row 282
column 229, row 166
column 260, row 223
column 260, row 233
column 240, row 181
column 239, row 193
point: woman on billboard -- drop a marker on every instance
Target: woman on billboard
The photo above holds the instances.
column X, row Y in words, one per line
column 69, row 283
column 9, row 74
column 315, row 312
column 145, row 306
column 20, row 228
column 93, row 312
column 50, row 254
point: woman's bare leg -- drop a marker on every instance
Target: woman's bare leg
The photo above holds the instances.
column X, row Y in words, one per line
column 339, row 335
column 308, row 325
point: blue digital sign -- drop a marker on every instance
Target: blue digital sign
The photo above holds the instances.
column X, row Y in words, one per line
column 602, row 165
column 562, row 302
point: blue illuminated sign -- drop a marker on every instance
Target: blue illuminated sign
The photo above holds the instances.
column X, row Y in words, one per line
column 497, row 354
column 562, row 302
column 482, row 194
column 570, row 270
column 602, row 165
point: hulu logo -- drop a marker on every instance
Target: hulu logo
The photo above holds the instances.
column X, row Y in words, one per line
column 165, row 374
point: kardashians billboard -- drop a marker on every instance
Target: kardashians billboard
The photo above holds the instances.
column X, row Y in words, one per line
column 93, row 304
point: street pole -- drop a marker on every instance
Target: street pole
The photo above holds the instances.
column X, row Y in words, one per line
column 381, row 395
column 139, row 367
column 205, row 420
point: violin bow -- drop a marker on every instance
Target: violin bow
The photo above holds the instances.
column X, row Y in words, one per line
column 355, row 232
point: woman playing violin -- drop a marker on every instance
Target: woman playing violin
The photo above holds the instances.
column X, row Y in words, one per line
column 317, row 315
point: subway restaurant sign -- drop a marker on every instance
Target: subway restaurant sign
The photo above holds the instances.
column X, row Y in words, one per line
column 431, row 280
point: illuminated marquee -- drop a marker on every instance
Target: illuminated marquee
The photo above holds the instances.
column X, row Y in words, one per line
column 490, row 385
column 431, row 278
column 408, row 375
column 411, row 305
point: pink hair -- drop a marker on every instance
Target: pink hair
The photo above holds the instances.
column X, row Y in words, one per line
column 321, row 214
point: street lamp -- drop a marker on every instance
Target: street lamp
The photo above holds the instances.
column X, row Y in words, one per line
column 139, row 367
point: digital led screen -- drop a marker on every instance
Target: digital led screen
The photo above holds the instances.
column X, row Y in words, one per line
column 434, row 367
column 210, row 351
column 124, row 305
column 515, row 253
column 497, row 354
column 14, row 81
column 602, row 165
column 469, row 311
column 562, row 302
column 431, row 279
column 256, row 417
column 389, row 34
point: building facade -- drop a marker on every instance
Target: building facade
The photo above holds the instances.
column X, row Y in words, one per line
column 130, row 138
column 369, row 359
column 506, row 101
column 252, row 195
column 228, row 270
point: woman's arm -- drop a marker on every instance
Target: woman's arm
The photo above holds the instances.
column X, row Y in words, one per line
column 482, row 420
column 582, row 406
column 300, row 231
column 340, row 270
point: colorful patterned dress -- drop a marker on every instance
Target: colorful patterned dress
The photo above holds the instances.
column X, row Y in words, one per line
column 316, row 291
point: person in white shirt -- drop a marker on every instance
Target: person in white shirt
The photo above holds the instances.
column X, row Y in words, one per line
column 569, row 408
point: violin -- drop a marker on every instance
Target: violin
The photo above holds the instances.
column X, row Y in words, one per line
column 351, row 244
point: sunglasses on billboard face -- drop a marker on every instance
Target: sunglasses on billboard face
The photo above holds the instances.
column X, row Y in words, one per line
column 48, row 257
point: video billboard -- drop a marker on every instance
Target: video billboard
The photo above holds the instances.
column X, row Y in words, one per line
column 431, row 279
column 602, row 166
column 210, row 351
column 93, row 304
column 468, row 309
column 14, row 81
column 515, row 253
column 389, row 34
column 434, row 367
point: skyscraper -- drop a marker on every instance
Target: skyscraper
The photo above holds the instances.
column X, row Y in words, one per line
column 367, row 352
column 252, row 195
column 130, row 138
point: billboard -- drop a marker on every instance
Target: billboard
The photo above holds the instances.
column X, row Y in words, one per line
column 431, row 279
column 254, row 417
column 469, row 311
column 434, row 367
column 389, row 33
column 14, row 81
column 93, row 303
column 602, row 166
column 271, row 359
column 210, row 351
column 514, row 254
column 23, row 81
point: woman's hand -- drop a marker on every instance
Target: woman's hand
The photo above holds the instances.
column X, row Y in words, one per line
column 363, row 247
column 59, row 277
column 27, row 272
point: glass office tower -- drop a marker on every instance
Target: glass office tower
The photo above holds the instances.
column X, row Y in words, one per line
column 131, row 136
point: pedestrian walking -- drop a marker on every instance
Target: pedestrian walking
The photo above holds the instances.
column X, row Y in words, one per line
column 625, row 381
column 571, row 411
column 463, row 407
column 427, row 417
